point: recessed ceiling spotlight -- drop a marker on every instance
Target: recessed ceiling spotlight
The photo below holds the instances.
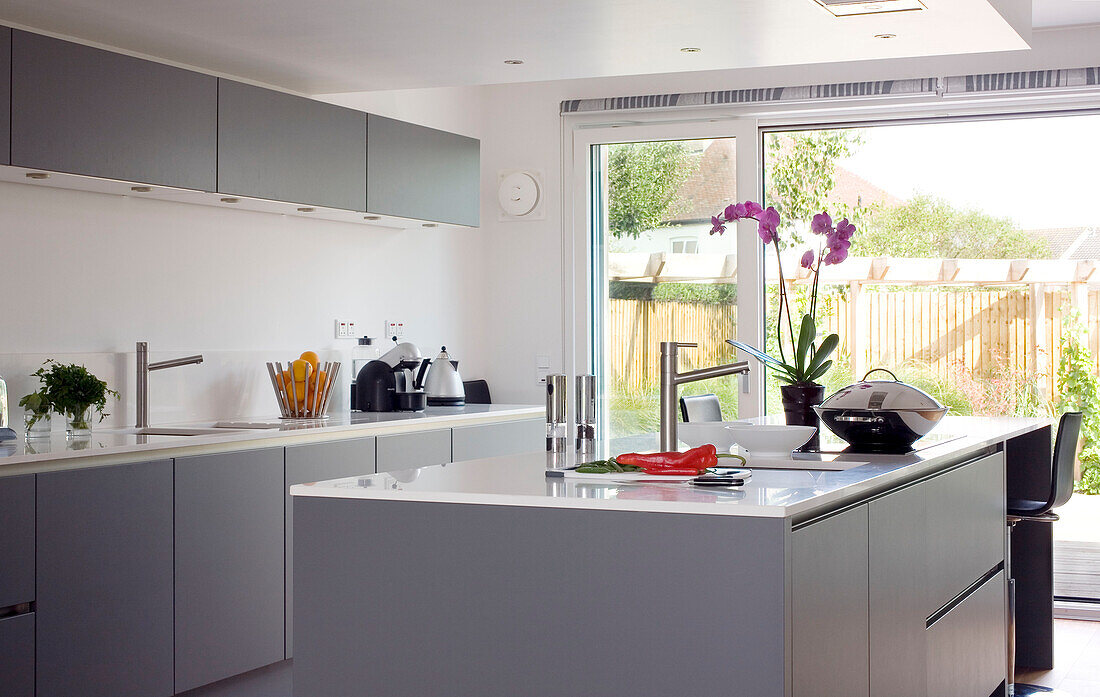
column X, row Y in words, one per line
column 230, row 199
column 306, row 209
column 141, row 189
column 513, row 61
column 431, row 224
column 372, row 217
column 886, row 36
column 690, row 49
column 848, row 8
column 38, row 175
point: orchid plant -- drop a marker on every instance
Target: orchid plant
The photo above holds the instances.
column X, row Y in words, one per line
column 809, row 360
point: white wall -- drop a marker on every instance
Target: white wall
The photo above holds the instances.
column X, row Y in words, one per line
column 85, row 275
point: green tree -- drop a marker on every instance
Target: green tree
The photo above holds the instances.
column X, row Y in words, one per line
column 1079, row 390
column 930, row 227
column 643, row 182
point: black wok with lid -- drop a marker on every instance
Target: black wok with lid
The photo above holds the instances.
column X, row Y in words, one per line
column 881, row 415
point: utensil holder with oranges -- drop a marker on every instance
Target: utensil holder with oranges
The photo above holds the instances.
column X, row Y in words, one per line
column 303, row 390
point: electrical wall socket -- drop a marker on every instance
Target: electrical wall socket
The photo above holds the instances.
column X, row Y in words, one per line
column 394, row 328
column 345, row 329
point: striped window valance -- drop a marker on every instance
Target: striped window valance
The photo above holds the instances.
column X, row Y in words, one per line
column 990, row 82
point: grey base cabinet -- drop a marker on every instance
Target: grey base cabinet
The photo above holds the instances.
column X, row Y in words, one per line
column 17, row 655
column 104, row 596
column 495, row 440
column 410, row 450
column 16, row 540
column 229, row 565
column 316, row 463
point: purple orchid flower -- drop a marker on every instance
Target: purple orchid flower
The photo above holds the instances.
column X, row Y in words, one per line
column 769, row 225
column 845, row 230
column 836, row 256
column 716, row 225
column 735, row 211
column 807, row 261
column 822, row 223
column 752, row 209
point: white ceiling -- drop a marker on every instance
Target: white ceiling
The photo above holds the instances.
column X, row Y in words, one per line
column 1062, row 13
column 321, row 46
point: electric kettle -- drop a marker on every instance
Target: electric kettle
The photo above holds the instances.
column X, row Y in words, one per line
column 444, row 384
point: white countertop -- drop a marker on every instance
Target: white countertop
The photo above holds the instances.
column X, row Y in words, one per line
column 113, row 446
column 521, row 480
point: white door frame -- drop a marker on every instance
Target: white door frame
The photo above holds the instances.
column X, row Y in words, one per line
column 577, row 250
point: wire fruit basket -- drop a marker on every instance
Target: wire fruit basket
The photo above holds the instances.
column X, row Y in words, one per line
column 303, row 399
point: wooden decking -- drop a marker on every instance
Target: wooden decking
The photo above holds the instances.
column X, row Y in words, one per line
column 1077, row 569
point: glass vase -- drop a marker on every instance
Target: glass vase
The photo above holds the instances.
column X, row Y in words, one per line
column 78, row 424
column 38, row 424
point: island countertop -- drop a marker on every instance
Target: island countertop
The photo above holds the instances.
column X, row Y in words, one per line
column 116, row 446
column 522, row 480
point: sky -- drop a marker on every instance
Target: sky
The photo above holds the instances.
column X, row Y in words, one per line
column 1041, row 172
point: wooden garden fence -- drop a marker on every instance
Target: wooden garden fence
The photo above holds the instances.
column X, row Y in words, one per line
column 939, row 332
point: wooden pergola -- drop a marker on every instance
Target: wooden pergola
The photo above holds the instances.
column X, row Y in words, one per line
column 855, row 273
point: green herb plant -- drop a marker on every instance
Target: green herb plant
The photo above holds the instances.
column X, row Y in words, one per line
column 72, row 391
column 39, row 406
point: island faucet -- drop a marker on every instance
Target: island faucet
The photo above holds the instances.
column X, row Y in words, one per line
column 671, row 378
column 143, row 368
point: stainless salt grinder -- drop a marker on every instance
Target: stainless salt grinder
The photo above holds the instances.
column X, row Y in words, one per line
column 557, row 427
column 586, row 412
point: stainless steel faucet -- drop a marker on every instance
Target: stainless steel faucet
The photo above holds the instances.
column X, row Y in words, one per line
column 143, row 368
column 671, row 378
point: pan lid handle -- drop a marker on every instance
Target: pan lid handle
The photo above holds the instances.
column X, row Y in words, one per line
column 884, row 370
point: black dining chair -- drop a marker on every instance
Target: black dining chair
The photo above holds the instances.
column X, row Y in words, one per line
column 477, row 392
column 703, row 407
column 1061, row 489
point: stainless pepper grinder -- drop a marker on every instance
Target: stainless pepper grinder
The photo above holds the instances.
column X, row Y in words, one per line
column 586, row 413
column 557, row 427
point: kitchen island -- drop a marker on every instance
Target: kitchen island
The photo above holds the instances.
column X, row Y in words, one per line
column 491, row 578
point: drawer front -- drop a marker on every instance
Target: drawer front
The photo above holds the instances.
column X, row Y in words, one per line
column 17, row 655
column 410, row 450
column 17, row 540
column 966, row 647
column 494, row 440
column 965, row 528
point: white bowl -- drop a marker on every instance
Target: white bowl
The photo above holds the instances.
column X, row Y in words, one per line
column 698, row 433
column 771, row 441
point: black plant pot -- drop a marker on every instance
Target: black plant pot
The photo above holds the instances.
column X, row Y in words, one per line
column 798, row 409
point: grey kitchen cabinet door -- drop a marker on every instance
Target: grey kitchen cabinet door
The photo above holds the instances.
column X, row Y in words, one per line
column 17, row 655
column 83, row 110
column 419, row 172
column 829, row 639
column 17, row 540
column 5, row 96
column 229, row 564
column 966, row 647
column 494, row 440
column 104, row 605
column 316, row 462
column 404, row 451
column 278, row 146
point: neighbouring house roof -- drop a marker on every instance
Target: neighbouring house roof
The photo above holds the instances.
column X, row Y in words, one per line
column 714, row 185
column 1071, row 242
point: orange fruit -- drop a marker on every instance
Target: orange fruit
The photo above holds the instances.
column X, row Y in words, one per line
column 311, row 357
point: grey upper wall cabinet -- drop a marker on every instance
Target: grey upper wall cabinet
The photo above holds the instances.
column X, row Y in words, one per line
column 229, row 565
column 17, row 540
column 278, row 146
column 82, row 110
column 104, row 606
column 5, row 96
column 419, row 172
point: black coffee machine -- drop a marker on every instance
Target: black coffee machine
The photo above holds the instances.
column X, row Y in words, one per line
column 381, row 384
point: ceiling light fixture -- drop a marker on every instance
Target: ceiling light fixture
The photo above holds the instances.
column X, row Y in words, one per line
column 306, row 209
column 849, row 8
column 886, row 36
column 690, row 49
column 37, row 175
column 230, row 199
column 372, row 217
column 513, row 61
column 431, row 225
column 141, row 189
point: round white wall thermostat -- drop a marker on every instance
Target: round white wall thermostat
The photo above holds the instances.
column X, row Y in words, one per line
column 519, row 194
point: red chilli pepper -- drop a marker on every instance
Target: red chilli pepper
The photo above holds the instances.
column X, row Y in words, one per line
column 653, row 463
column 675, row 471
